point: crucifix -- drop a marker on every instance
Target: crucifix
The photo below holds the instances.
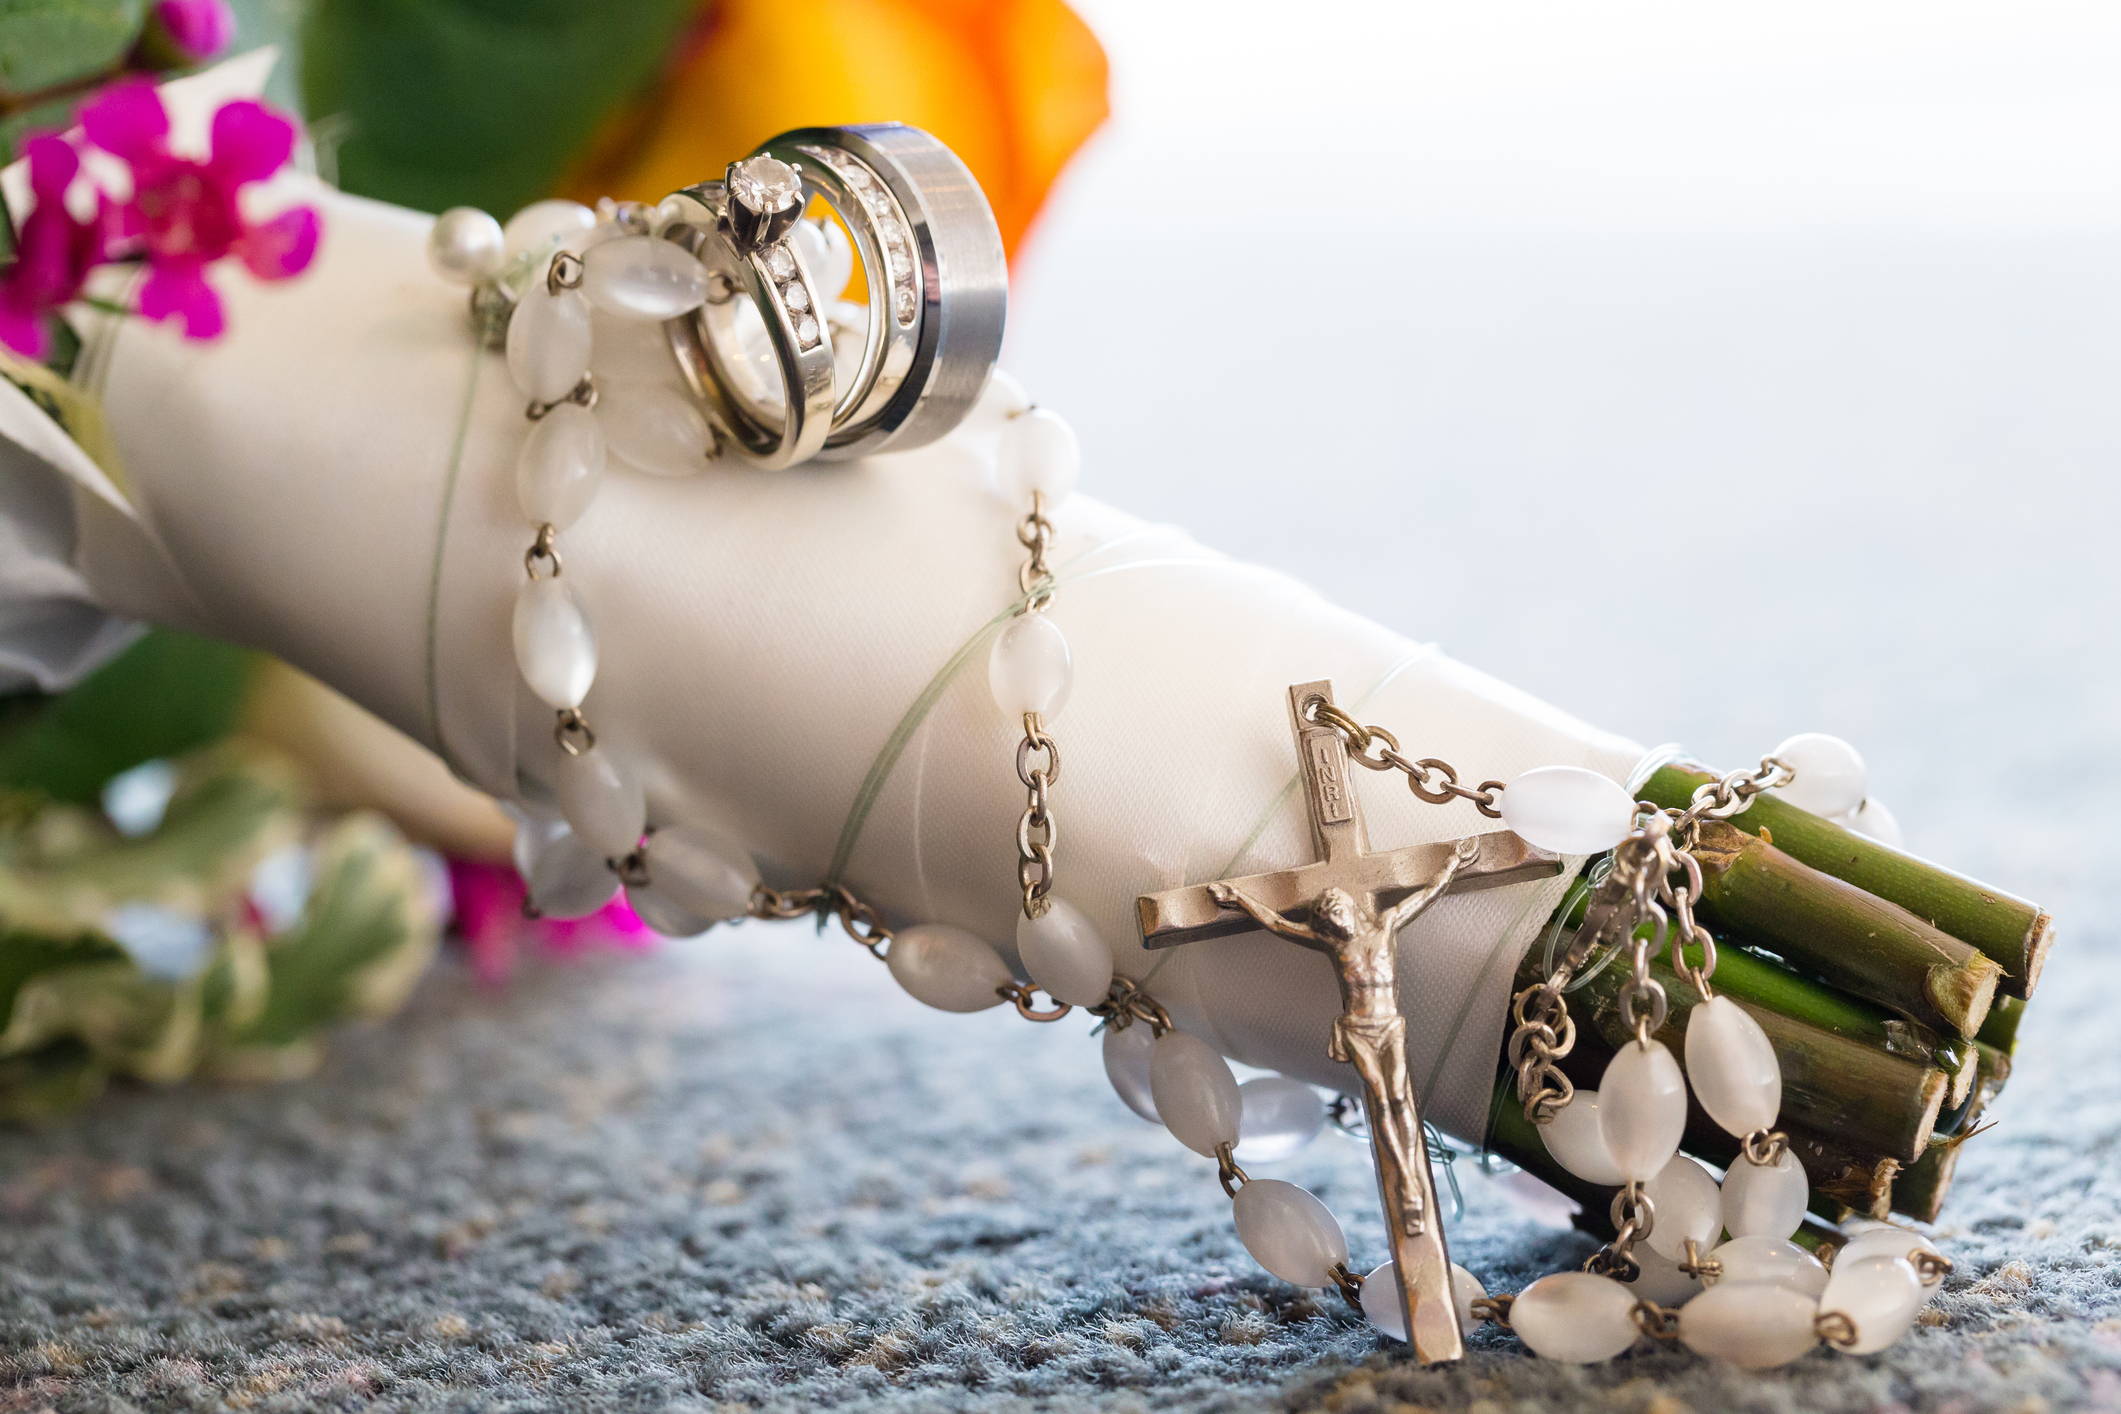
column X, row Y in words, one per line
column 1350, row 905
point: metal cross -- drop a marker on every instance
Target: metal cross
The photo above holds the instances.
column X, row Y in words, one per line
column 1351, row 905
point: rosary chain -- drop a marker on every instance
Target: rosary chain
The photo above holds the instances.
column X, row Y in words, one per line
column 860, row 921
column 1348, row 1283
column 1545, row 1034
column 1035, row 577
column 1034, row 855
column 1431, row 779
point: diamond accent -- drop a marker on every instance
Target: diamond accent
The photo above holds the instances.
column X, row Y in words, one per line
column 806, row 333
column 780, row 263
column 902, row 305
column 765, row 184
column 798, row 298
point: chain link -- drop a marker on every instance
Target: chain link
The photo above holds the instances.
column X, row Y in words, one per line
column 1226, row 1169
column 860, row 922
column 1431, row 779
column 1545, row 1033
column 1349, row 1284
column 1036, row 830
column 1125, row 1004
column 1035, row 577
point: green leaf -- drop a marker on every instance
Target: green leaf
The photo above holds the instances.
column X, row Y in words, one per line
column 45, row 43
column 481, row 103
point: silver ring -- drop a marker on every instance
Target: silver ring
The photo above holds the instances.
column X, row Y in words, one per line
column 746, row 250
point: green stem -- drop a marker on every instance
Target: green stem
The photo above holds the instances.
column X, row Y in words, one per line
column 2013, row 932
column 1920, row 1189
column 2001, row 1028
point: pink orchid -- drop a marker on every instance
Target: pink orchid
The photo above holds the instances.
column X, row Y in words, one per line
column 489, row 918
column 184, row 214
column 55, row 251
column 195, row 29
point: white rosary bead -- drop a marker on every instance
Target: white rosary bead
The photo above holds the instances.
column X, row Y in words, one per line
column 663, row 913
column 552, row 222
column 1576, row 1141
column 1038, row 453
column 1873, row 819
column 1883, row 1240
column 1642, row 1109
column 561, row 466
column 947, row 967
column 1768, row 1259
column 1380, row 1299
column 1575, row 1317
column 464, row 246
column 828, row 253
column 548, row 343
column 1688, row 1204
column 1660, row 1279
column 1732, row 1066
column 1568, row 809
column 1195, row 1093
column 643, row 278
column 556, row 649
column 1289, row 1232
column 1755, row 1325
column 1829, row 778
column 654, row 427
column 1880, row 1296
column 1064, row 954
column 603, row 802
column 1030, row 668
column 534, row 835
column 1278, row 1117
column 569, row 879
column 1128, row 1050
column 1765, row 1200
column 702, row 871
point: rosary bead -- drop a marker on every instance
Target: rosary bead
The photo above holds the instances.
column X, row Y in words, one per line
column 603, row 802
column 1883, row 1240
column 1688, row 1204
column 654, row 427
column 548, row 343
column 552, row 222
column 1380, row 1299
column 1576, row 1141
column 1128, row 1050
column 1873, row 819
column 1278, row 1117
column 1575, row 1316
column 1732, row 1066
column 1289, row 1232
column 663, row 913
column 1660, row 1279
column 560, row 467
column 1767, row 1259
column 1829, row 778
column 947, row 967
column 1879, row 1294
column 1195, row 1093
column 1568, row 809
column 1642, row 1109
column 1030, row 668
column 643, row 278
column 1756, row 1325
column 1038, row 453
column 464, row 246
column 1064, row 954
column 1765, row 1200
column 828, row 253
column 556, row 649
column 569, row 879
column 703, row 872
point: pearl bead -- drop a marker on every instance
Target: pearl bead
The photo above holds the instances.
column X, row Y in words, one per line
column 1064, row 954
column 1568, row 810
column 1765, row 1259
column 1829, row 775
column 1660, row 1279
column 654, row 427
column 561, row 466
column 1195, row 1093
column 552, row 222
column 1576, row 1141
column 1038, row 453
column 1873, row 819
column 702, row 871
column 1879, row 1294
column 1380, row 1299
column 1754, row 1325
column 556, row 650
column 1575, row 1317
column 947, row 968
column 570, row 880
column 603, row 802
column 1277, row 1117
column 1732, row 1066
column 464, row 246
column 829, row 254
column 1688, row 1204
column 663, row 913
column 1289, row 1232
column 1030, row 668
column 1127, row 1053
column 643, row 278
column 548, row 343
column 1765, row 1200
column 1642, row 1109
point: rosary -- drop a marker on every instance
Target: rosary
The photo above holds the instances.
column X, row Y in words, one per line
column 745, row 289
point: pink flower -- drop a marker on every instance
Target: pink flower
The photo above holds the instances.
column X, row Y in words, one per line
column 55, row 251
column 184, row 215
column 196, row 29
column 489, row 918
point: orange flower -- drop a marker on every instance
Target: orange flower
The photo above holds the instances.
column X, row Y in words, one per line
column 1013, row 86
